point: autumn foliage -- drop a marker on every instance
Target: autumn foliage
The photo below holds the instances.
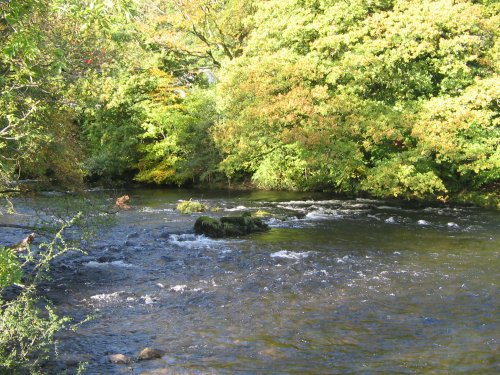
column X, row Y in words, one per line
column 390, row 98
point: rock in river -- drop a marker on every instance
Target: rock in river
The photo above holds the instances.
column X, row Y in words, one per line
column 150, row 353
column 73, row 360
column 229, row 226
column 119, row 359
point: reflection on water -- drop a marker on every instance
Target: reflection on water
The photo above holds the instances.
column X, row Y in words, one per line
column 336, row 287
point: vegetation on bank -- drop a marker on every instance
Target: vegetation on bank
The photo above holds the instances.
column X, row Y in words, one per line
column 388, row 98
column 190, row 206
column 28, row 322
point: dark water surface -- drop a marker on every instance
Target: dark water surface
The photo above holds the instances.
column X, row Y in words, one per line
column 336, row 287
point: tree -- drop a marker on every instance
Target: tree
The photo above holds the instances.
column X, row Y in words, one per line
column 204, row 31
column 48, row 47
column 178, row 148
column 377, row 96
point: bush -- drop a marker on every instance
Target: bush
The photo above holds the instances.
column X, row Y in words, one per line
column 10, row 267
column 27, row 328
column 28, row 323
column 190, row 206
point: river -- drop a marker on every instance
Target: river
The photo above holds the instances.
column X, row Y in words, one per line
column 336, row 286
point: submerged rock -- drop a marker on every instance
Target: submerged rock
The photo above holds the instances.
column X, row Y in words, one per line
column 209, row 226
column 229, row 226
column 165, row 235
column 150, row 353
column 73, row 360
column 132, row 235
column 119, row 359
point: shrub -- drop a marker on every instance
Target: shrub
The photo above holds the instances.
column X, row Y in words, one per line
column 10, row 267
column 27, row 328
column 190, row 206
column 29, row 323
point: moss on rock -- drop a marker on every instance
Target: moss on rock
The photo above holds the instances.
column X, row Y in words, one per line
column 229, row 226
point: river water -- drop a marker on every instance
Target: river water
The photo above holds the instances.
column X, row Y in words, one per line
column 335, row 287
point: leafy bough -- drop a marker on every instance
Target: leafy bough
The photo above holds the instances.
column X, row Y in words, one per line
column 28, row 322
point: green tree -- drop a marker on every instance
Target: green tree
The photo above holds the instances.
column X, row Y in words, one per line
column 396, row 98
column 177, row 145
column 204, row 31
column 47, row 47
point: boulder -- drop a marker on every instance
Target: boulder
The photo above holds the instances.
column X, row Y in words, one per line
column 209, row 226
column 119, row 359
column 150, row 353
column 229, row 226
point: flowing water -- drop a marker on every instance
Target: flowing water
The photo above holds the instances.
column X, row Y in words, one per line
column 335, row 287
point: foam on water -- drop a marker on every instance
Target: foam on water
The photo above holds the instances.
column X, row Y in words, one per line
column 116, row 263
column 324, row 214
column 184, row 288
column 289, row 222
column 190, row 240
column 390, row 220
column 156, row 210
column 423, row 223
column 290, row 254
column 473, row 228
column 345, row 259
column 367, row 200
column 351, row 211
column 238, row 208
column 178, row 288
column 107, row 297
column 288, row 206
column 312, row 202
column 357, row 205
column 148, row 300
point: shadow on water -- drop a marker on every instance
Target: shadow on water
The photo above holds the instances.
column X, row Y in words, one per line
column 335, row 287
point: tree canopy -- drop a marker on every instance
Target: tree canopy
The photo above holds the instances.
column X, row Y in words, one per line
column 396, row 98
column 383, row 97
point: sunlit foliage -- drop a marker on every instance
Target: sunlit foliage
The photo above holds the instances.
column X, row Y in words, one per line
column 388, row 97
column 396, row 98
column 47, row 47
